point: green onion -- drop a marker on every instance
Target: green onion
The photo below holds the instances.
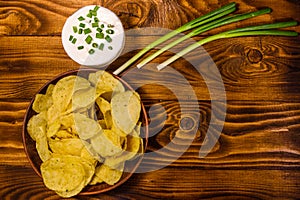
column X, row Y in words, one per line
column 99, row 30
column 88, row 39
column 80, row 31
column 110, row 31
column 190, row 25
column 80, row 47
column 82, row 25
column 74, row 40
column 71, row 37
column 96, row 8
column 101, row 46
column 108, row 38
column 89, row 15
column 240, row 32
column 204, row 28
column 99, row 35
column 95, row 45
column 87, row 31
column 95, row 24
column 81, row 18
column 102, row 26
column 110, row 26
column 75, row 29
column 96, row 19
column 110, row 48
column 91, row 51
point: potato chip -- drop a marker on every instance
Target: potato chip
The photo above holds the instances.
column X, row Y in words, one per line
column 86, row 127
column 53, row 128
column 63, row 134
column 69, row 146
column 126, row 108
column 105, row 145
column 84, row 98
column 42, row 102
column 42, row 148
column 131, row 151
column 64, row 174
column 105, row 82
column 36, row 126
column 110, row 175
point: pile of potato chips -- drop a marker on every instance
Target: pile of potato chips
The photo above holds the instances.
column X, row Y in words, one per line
column 85, row 130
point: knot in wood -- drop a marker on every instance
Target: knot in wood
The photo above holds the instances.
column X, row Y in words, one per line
column 187, row 123
column 254, row 56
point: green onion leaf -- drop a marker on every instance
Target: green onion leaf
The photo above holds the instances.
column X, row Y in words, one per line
column 88, row 39
column 81, row 18
column 95, row 24
column 96, row 8
column 87, row 31
column 108, row 38
column 82, row 25
column 80, row 31
column 110, row 31
column 102, row 26
column 74, row 40
column 110, row 48
column 91, row 51
column 101, row 46
column 71, row 38
column 99, row 30
column 95, row 45
column 75, row 29
column 89, row 15
column 80, row 47
column 99, row 35
column 96, row 19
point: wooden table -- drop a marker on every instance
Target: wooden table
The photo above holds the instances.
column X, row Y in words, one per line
column 257, row 155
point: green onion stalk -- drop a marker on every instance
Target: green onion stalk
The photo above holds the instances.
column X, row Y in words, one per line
column 204, row 28
column 190, row 25
column 266, row 29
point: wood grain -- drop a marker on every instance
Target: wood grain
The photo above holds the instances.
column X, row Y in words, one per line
column 257, row 155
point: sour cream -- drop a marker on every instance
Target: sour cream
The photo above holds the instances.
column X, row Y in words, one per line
column 93, row 36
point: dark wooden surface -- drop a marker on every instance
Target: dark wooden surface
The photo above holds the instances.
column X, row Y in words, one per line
column 258, row 153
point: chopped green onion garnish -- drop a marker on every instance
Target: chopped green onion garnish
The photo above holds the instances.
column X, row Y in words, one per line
column 99, row 35
column 80, row 31
column 71, row 38
column 88, row 39
column 89, row 15
column 96, row 8
column 101, row 46
column 110, row 48
column 99, row 30
column 108, row 38
column 80, row 47
column 74, row 40
column 102, row 26
column 91, row 51
column 96, row 19
column 110, row 31
column 110, row 26
column 82, row 25
column 93, row 13
column 95, row 45
column 87, row 31
column 95, row 24
column 81, row 18
column 75, row 29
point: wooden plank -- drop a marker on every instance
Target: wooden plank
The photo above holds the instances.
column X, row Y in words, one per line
column 254, row 134
column 273, row 77
column 47, row 17
column 168, row 183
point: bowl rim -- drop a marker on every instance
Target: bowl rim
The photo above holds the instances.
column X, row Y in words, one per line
column 57, row 78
